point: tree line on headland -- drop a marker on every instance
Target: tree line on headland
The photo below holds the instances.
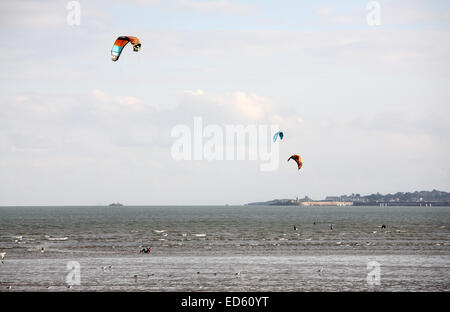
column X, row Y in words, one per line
column 417, row 198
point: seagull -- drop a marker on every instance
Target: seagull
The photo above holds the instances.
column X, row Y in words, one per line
column 2, row 255
column 238, row 274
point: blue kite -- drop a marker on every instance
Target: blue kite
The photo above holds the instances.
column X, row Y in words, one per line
column 278, row 134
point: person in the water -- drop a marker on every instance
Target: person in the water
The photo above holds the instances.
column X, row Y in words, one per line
column 295, row 228
column 145, row 250
column 331, row 226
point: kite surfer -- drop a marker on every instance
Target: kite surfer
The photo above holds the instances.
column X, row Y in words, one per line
column 145, row 250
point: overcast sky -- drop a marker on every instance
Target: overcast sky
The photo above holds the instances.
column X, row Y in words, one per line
column 367, row 107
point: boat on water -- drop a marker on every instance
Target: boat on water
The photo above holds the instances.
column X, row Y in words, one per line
column 115, row 204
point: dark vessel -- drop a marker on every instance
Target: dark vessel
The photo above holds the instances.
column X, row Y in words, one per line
column 115, row 204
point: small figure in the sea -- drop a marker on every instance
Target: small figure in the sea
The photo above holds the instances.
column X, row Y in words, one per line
column 295, row 228
column 145, row 250
column 331, row 226
column 314, row 223
column 42, row 249
column 383, row 226
column 3, row 255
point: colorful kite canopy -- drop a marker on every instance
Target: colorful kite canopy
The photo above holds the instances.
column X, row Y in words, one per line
column 121, row 42
column 278, row 134
column 298, row 160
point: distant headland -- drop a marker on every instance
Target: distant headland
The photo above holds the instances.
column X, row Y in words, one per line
column 417, row 198
column 115, row 204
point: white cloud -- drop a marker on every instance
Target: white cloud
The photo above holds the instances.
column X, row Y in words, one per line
column 324, row 10
column 145, row 2
column 233, row 105
column 118, row 104
column 42, row 14
column 327, row 15
column 409, row 13
column 195, row 93
column 396, row 13
column 48, row 15
column 218, row 6
column 251, row 105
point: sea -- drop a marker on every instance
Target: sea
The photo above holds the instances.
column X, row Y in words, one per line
column 225, row 249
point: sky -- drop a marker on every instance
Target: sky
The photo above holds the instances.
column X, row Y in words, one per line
column 366, row 106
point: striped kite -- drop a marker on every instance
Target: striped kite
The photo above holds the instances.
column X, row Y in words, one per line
column 121, row 42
